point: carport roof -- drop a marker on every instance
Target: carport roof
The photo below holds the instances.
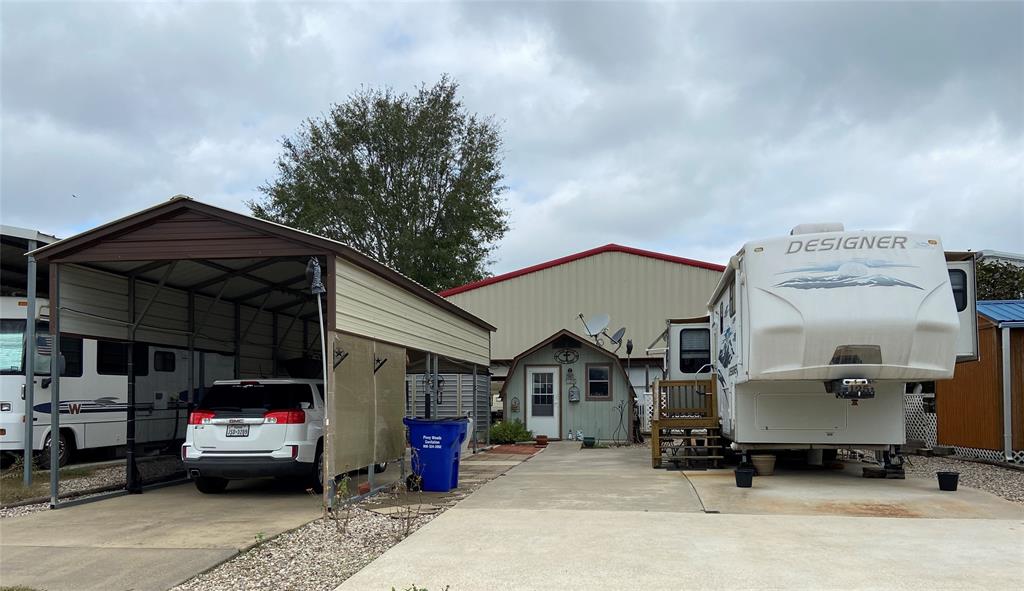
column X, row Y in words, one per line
column 260, row 254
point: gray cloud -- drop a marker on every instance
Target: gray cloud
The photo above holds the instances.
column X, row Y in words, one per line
column 688, row 128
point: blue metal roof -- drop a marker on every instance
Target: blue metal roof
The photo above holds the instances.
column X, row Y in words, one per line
column 1002, row 311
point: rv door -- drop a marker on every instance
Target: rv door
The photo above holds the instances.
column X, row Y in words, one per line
column 961, row 279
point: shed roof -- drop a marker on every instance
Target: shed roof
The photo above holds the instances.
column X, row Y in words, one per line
column 612, row 358
column 185, row 229
column 582, row 255
column 1003, row 312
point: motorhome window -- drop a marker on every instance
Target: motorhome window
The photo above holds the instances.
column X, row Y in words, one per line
column 12, row 346
column 112, row 359
column 257, row 397
column 958, row 279
column 12, row 350
column 599, row 383
column 732, row 300
column 71, row 349
column 163, row 361
column 694, row 350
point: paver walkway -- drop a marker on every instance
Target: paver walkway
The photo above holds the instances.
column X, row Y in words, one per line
column 604, row 520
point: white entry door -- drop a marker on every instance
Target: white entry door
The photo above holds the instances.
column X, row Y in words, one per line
column 542, row 401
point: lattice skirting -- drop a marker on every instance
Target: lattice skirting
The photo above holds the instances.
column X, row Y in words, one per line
column 988, row 454
column 920, row 424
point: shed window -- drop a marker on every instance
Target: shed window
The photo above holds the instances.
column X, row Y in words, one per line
column 694, row 350
column 958, row 279
column 163, row 361
column 599, row 384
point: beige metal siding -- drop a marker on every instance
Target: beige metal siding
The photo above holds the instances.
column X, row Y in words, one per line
column 370, row 306
column 638, row 292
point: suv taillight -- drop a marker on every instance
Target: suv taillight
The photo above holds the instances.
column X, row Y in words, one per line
column 200, row 417
column 285, row 417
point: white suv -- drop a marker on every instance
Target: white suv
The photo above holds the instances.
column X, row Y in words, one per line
column 256, row 428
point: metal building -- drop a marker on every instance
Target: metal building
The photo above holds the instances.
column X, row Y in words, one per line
column 205, row 279
column 638, row 289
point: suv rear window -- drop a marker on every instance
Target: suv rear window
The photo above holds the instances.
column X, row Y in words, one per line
column 257, row 396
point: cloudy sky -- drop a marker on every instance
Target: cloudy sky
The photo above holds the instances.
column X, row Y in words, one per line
column 685, row 128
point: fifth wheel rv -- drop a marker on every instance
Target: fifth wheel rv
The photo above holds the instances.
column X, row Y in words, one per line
column 815, row 336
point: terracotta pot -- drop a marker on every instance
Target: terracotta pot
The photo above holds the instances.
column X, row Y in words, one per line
column 541, row 440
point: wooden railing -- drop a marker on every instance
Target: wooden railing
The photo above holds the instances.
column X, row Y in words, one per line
column 685, row 399
column 687, row 411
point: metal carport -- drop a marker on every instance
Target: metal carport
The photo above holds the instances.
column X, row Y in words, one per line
column 202, row 279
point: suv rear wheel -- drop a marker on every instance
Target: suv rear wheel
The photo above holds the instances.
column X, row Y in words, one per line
column 317, row 477
column 210, row 486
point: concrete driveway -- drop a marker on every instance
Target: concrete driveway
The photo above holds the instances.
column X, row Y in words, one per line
column 149, row 541
column 603, row 520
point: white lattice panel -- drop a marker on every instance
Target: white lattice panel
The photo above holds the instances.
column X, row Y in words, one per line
column 1017, row 457
column 920, row 424
column 645, row 410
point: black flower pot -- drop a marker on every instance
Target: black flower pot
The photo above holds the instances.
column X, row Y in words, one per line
column 744, row 477
column 948, row 480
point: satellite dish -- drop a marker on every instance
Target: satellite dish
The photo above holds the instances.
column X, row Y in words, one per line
column 617, row 338
column 596, row 324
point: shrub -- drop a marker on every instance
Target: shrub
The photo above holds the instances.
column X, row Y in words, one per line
column 506, row 432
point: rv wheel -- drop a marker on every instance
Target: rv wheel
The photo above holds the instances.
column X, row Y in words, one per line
column 63, row 452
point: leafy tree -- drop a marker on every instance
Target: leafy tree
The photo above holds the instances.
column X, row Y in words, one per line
column 411, row 180
column 1000, row 281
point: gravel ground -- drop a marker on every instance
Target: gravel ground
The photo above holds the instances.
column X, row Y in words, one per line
column 1007, row 483
column 319, row 556
column 151, row 469
column 315, row 557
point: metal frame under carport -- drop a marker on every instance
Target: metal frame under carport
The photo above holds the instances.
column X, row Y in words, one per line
column 153, row 248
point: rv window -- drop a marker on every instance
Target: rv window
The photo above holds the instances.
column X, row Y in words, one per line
column 12, row 350
column 732, row 300
column 694, row 350
column 112, row 359
column 12, row 346
column 71, row 350
column 958, row 279
column 599, row 383
column 163, row 361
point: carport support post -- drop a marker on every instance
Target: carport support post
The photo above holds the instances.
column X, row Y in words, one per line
column 54, row 383
column 131, row 475
column 191, row 353
column 238, row 341
column 30, row 366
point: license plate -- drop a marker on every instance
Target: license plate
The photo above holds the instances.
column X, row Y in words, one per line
column 238, row 431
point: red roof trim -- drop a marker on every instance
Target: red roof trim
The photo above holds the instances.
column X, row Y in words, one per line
column 581, row 255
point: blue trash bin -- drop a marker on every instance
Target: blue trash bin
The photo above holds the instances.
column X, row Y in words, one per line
column 436, row 444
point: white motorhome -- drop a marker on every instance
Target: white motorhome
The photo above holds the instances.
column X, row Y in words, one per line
column 815, row 336
column 94, row 387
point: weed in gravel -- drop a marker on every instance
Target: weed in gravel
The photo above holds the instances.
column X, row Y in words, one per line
column 341, row 505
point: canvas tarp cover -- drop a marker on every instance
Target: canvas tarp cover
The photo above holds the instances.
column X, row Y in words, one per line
column 366, row 408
